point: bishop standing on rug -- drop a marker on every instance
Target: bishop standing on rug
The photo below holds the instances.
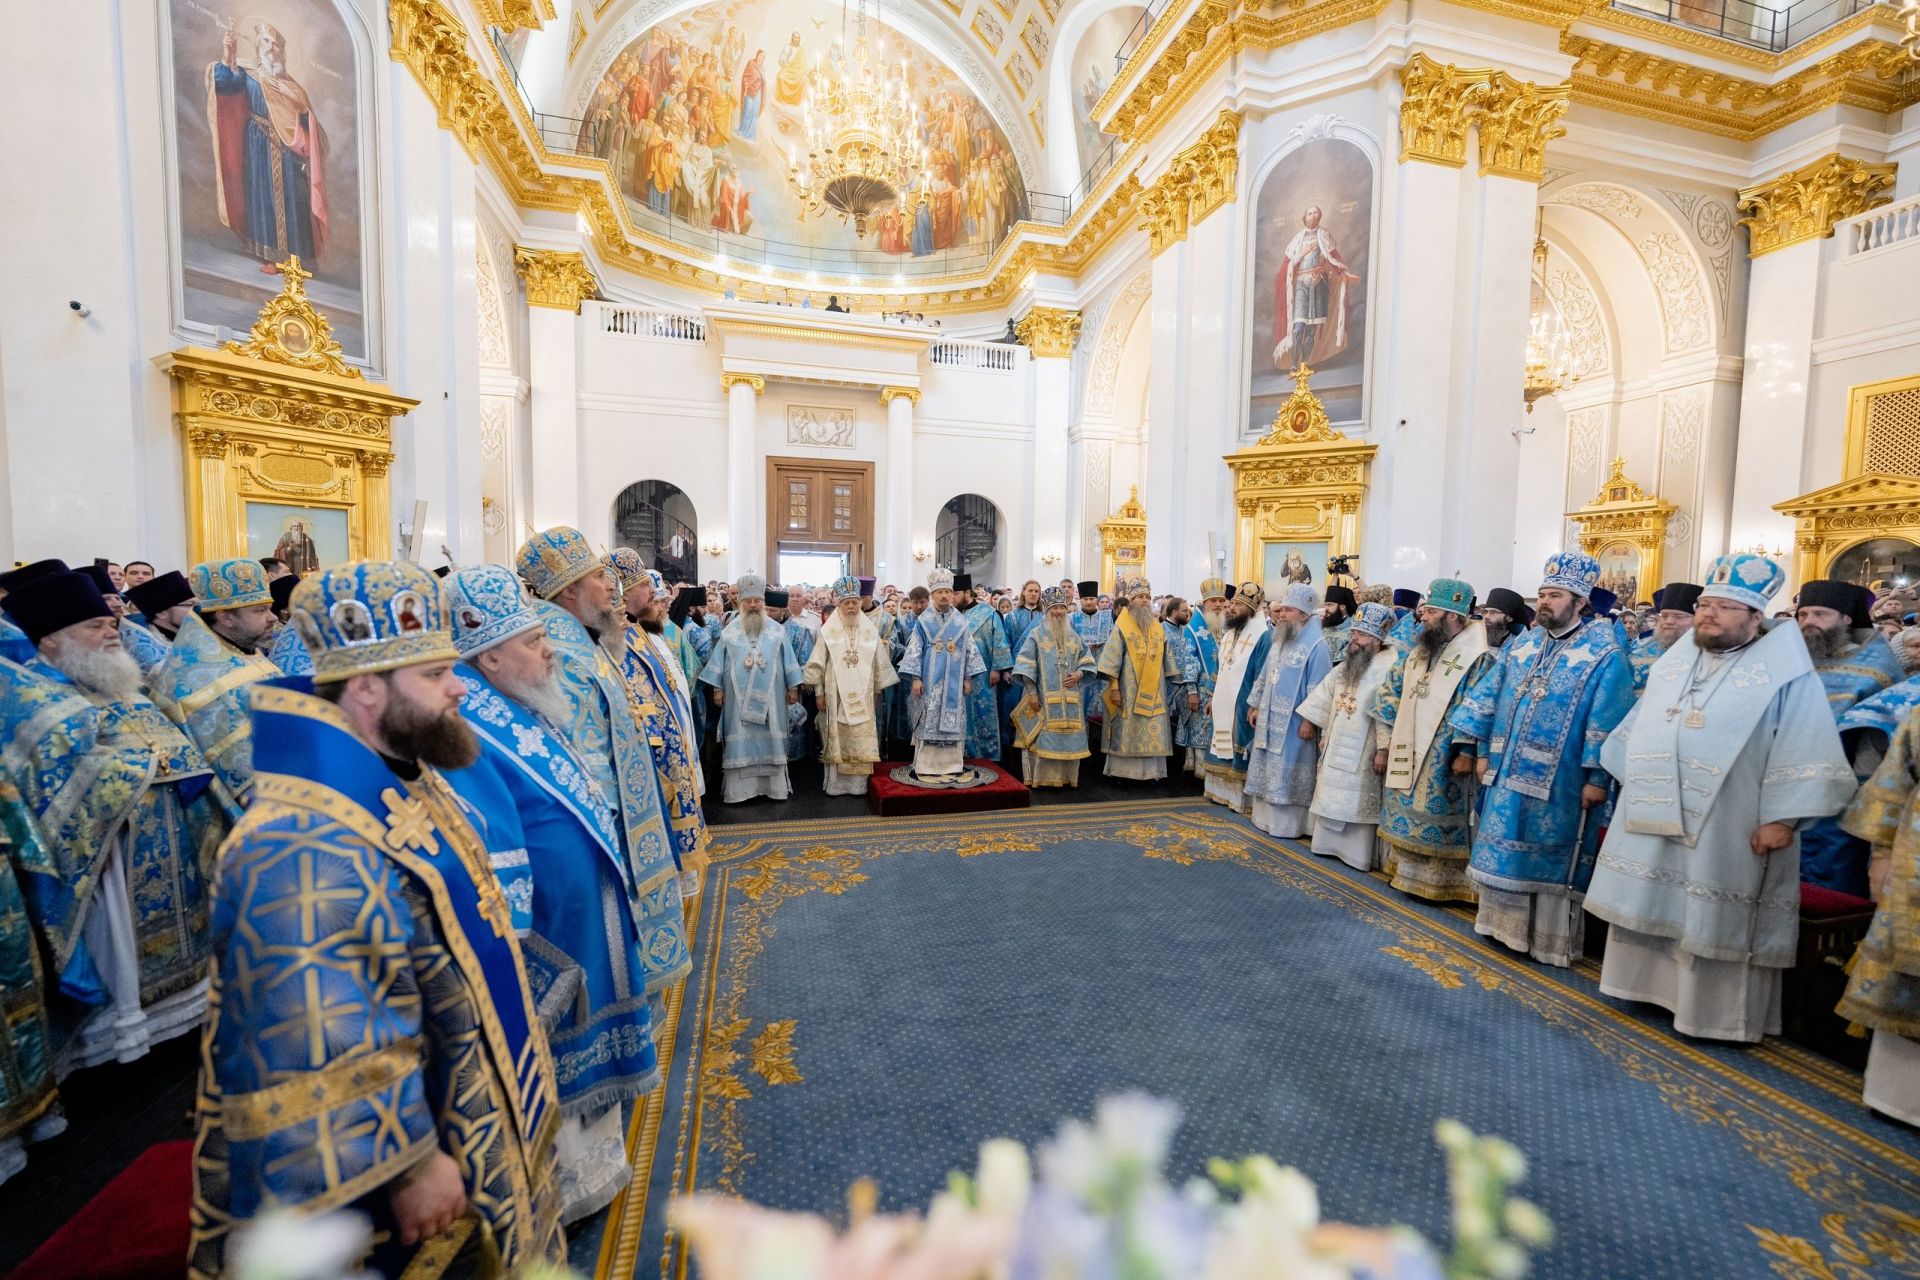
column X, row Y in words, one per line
column 754, row 679
column 945, row 666
column 1049, row 720
column 1283, row 763
column 848, row 670
column 1339, row 713
column 1138, row 665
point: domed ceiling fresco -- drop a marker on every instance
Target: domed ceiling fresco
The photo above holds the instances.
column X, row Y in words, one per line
column 701, row 115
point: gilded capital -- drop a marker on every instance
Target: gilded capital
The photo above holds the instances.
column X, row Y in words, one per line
column 554, row 278
column 1049, row 331
column 889, row 394
column 1804, row 203
column 1199, row 180
column 1437, row 107
column 208, row 443
column 1517, row 120
column 1163, row 214
column 728, row 381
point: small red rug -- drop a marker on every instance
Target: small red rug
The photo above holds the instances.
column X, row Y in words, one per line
column 134, row 1229
column 890, row 799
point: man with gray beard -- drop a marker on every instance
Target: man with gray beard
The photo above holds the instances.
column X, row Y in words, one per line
column 755, row 679
column 1138, row 736
column 554, row 846
column 1339, row 712
column 1283, row 763
column 129, row 819
column 847, row 669
column 1049, row 720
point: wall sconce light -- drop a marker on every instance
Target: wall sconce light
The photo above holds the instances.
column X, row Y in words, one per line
column 1762, row 549
column 716, row 550
column 922, row 553
column 1050, row 558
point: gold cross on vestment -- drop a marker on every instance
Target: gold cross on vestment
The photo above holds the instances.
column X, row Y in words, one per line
column 1420, row 690
column 1452, row 665
column 1346, row 704
column 409, row 825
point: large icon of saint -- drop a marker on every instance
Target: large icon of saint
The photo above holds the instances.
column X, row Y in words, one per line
column 270, row 152
column 296, row 547
column 1310, row 310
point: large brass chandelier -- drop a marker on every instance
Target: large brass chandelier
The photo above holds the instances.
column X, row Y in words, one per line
column 862, row 136
column 1549, row 344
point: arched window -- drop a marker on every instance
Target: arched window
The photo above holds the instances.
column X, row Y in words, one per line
column 657, row 520
column 966, row 536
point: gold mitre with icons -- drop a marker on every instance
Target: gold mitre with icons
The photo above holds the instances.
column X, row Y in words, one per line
column 287, row 445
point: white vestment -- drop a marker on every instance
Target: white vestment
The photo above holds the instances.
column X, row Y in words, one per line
column 1225, row 784
column 1346, row 799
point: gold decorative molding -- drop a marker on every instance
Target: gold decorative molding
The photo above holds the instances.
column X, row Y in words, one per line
column 1049, row 332
column 889, row 394
column 728, row 381
column 555, row 278
column 289, row 331
column 1517, row 120
column 1170, row 63
column 1830, row 522
column 278, row 421
column 1804, row 203
column 511, row 15
column 1883, row 428
column 1623, row 514
column 1689, row 40
column 1123, row 541
column 433, row 44
column 1198, row 180
column 1301, row 482
column 1437, row 107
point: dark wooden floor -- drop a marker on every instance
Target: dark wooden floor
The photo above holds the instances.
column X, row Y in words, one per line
column 116, row 1112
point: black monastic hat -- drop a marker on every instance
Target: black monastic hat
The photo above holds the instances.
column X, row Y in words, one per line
column 1087, row 589
column 1842, row 597
column 963, row 582
column 1678, row 596
column 1338, row 594
column 53, row 603
column 776, row 599
column 14, row 579
column 158, row 594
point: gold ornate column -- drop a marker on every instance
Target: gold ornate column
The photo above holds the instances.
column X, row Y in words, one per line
column 1302, row 482
column 1049, row 331
column 1804, row 203
column 555, row 278
column 1517, row 120
column 279, row 428
column 1624, row 519
column 1198, row 180
column 1437, row 108
column 1123, row 542
column 755, row 382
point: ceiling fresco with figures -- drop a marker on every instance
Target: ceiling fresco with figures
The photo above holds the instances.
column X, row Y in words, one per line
column 702, row 116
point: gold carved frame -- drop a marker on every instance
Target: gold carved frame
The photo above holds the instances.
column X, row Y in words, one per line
column 1123, row 542
column 1301, row 482
column 1624, row 512
column 281, row 418
column 1829, row 521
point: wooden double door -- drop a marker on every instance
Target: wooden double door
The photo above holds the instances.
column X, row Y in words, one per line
column 821, row 508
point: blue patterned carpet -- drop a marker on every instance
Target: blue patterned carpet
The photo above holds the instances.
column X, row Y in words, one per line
column 874, row 998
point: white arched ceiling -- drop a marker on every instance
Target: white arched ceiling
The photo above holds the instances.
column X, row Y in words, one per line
column 1110, row 343
column 1063, row 147
column 1665, row 252
column 929, row 24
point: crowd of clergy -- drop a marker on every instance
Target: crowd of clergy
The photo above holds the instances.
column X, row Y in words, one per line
column 415, row 853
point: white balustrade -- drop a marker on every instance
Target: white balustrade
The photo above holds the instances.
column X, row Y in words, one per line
column 1878, row 228
column 626, row 321
column 987, row 357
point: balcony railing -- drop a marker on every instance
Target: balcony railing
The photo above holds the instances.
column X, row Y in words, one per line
column 651, row 322
column 1764, row 27
column 991, row 357
column 1890, row 224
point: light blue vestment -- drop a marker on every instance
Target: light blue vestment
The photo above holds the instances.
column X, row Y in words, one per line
column 942, row 655
column 662, row 713
column 1018, row 622
column 1336, row 638
column 148, row 648
column 1406, row 632
column 1645, row 652
column 14, row 645
column 1869, row 666
column 800, row 639
column 1094, row 630
column 205, row 686
column 983, row 704
column 755, row 674
column 603, row 729
column 1541, row 717
column 1282, row 769
column 554, row 844
column 1192, row 726
column 26, row 1039
column 1830, row 856
column 1881, row 715
column 289, row 652
column 1054, row 715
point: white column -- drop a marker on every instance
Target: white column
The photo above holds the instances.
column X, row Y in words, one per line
column 894, row 558
column 1775, row 392
column 745, row 546
column 554, row 420
column 1167, row 388
column 1050, row 334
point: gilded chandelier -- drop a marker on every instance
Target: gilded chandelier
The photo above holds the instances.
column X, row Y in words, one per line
column 862, row 132
column 1549, row 345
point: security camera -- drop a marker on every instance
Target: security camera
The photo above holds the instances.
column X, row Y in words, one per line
column 80, row 309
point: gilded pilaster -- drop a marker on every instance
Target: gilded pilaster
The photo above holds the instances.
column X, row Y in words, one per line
column 1804, row 203
column 1517, row 120
column 554, row 278
column 728, row 381
column 1437, row 108
column 1199, row 180
column 1049, row 331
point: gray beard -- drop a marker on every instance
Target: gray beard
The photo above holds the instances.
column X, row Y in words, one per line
column 1216, row 624
column 542, row 697
column 108, row 673
column 271, row 68
column 613, row 638
column 1058, row 631
column 1142, row 615
column 1285, row 633
column 753, row 623
column 1353, row 667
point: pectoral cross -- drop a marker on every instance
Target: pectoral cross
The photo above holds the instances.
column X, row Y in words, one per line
column 1452, row 665
column 1346, row 704
column 1420, row 690
column 409, row 825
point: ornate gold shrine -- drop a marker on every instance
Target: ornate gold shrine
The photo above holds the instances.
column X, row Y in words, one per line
column 1301, row 483
column 1625, row 528
column 1833, row 526
column 285, row 440
column 1123, row 542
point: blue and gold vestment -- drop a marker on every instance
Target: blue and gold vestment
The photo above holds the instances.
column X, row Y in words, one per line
column 369, row 1004
column 983, row 703
column 1541, row 716
column 653, row 696
column 1050, row 721
column 290, row 653
column 148, row 649
column 755, row 673
column 942, row 656
column 1094, row 630
column 1830, row 856
column 604, row 730
column 1192, row 726
column 14, row 644
column 26, row 1049
column 204, row 686
column 1641, row 656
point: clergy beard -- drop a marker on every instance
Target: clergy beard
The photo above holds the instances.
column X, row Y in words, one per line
column 1238, row 621
column 1142, row 615
column 1354, row 666
column 443, row 741
column 111, row 673
column 1216, row 623
column 753, row 623
column 1497, row 633
column 653, row 626
column 1285, row 632
column 542, row 697
column 1432, row 640
column 1825, row 643
column 272, row 67
column 1057, row 631
column 942, row 613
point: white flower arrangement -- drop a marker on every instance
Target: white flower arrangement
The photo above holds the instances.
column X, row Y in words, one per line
column 1102, row 1209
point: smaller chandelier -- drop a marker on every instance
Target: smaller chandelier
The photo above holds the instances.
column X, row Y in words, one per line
column 1549, row 345
column 862, row 137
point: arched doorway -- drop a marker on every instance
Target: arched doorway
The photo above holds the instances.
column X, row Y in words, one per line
column 657, row 520
column 966, row 536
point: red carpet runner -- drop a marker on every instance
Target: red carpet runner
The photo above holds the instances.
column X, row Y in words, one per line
column 890, row 799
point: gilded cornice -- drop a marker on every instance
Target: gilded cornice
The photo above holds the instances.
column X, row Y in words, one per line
column 1517, row 120
column 1437, row 107
column 1689, row 39
column 1049, row 331
column 1199, row 180
column 1675, row 92
column 1804, row 203
column 554, row 278
column 511, row 15
column 433, row 44
column 1171, row 62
